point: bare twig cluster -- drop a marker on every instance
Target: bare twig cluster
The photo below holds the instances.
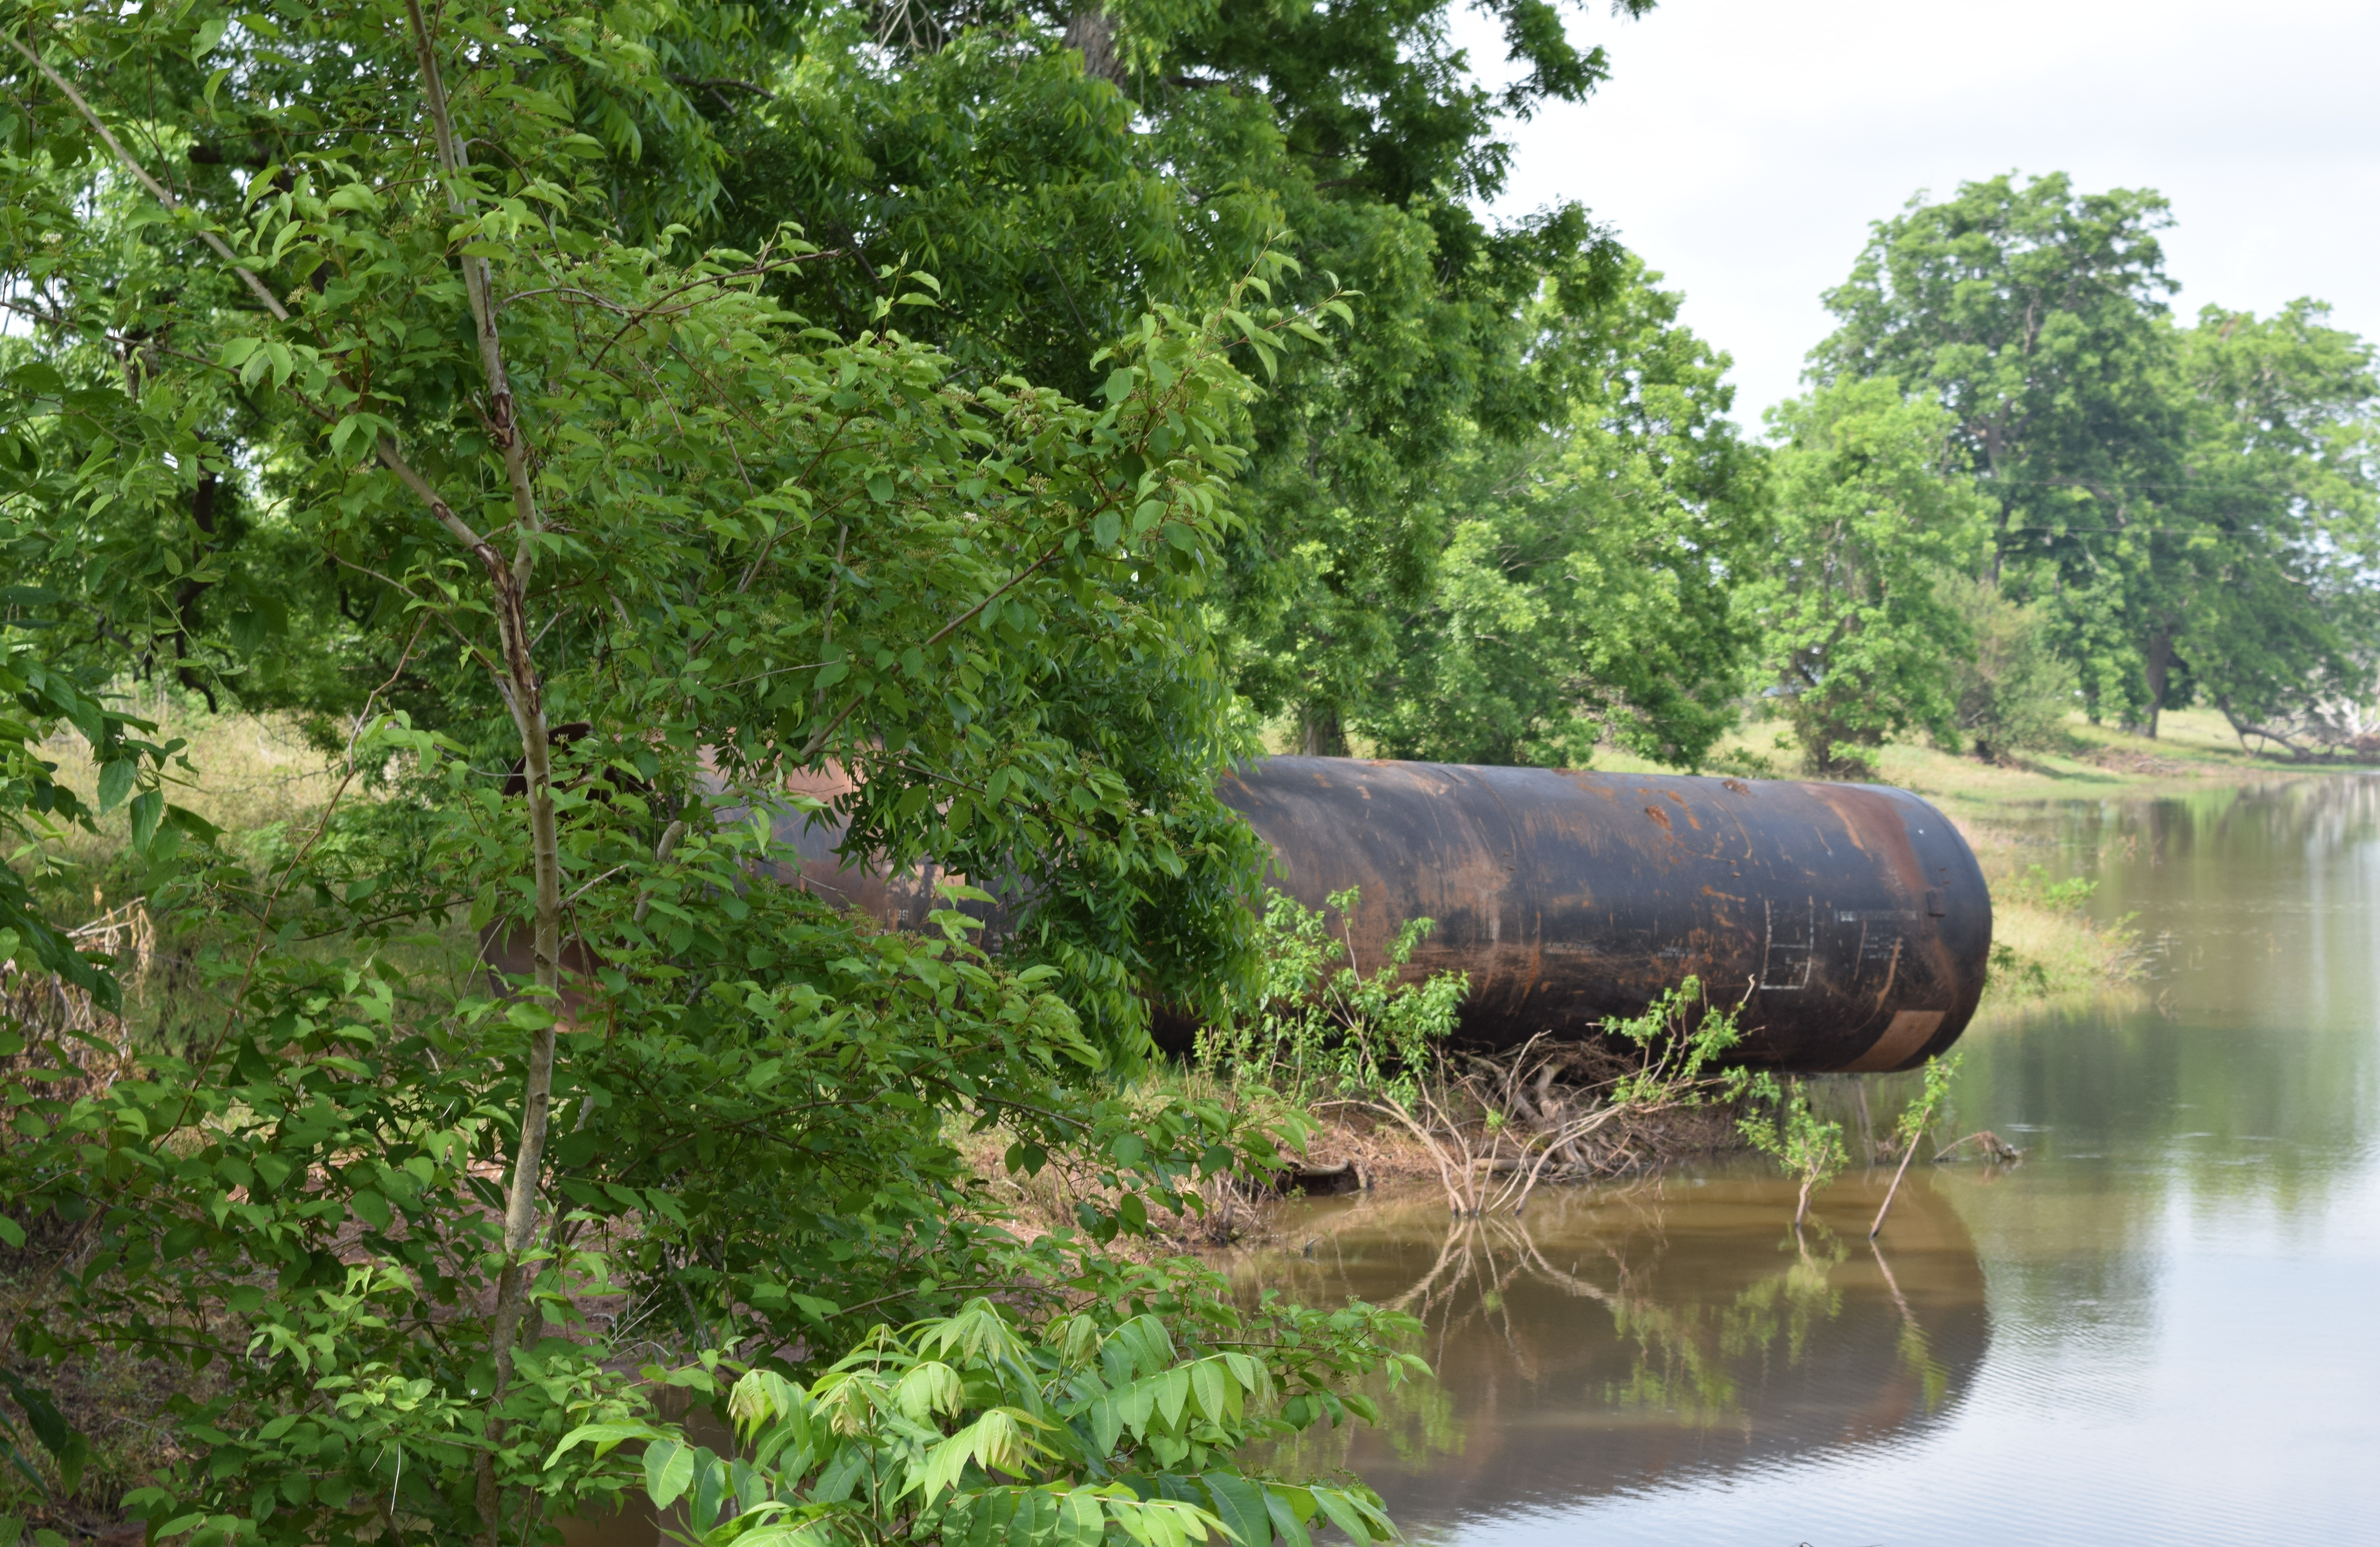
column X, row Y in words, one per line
column 59, row 1021
column 1500, row 1126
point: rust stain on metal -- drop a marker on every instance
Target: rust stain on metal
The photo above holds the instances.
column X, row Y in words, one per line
column 1856, row 912
column 1566, row 913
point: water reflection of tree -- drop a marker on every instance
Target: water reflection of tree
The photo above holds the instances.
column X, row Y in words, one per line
column 2265, row 898
column 1687, row 1355
column 1687, row 1358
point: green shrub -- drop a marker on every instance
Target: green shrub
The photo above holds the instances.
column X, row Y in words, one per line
column 2012, row 693
column 978, row 1429
column 1312, row 1028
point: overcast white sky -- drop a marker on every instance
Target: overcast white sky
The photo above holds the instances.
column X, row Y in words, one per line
column 1742, row 146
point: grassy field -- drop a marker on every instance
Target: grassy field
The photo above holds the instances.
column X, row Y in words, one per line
column 248, row 774
column 2194, row 749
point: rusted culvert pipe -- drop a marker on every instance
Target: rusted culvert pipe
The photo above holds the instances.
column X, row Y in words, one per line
column 1850, row 920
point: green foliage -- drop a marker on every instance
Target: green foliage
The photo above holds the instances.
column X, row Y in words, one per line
column 411, row 402
column 2194, row 508
column 1585, row 590
column 726, row 496
column 2013, row 692
column 971, row 1428
column 1312, row 1029
column 2062, row 896
column 1681, row 1054
column 1061, row 168
column 1932, row 1100
column 36, row 700
column 1783, row 1125
column 765, row 1164
column 1853, row 631
column 2270, row 603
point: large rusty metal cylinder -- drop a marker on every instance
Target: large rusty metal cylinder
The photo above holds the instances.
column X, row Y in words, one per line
column 1850, row 920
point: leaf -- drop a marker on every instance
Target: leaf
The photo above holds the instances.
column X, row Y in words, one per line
column 37, row 379
column 1286, row 1525
column 930, row 1387
column 1107, row 1424
column 148, row 809
column 115, row 782
column 669, row 1466
column 710, row 1490
column 604, row 1436
column 1342, row 1514
column 1172, row 1395
column 1211, row 1387
column 1082, row 1519
column 1239, row 1504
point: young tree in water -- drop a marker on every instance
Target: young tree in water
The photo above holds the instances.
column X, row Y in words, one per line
column 1869, row 518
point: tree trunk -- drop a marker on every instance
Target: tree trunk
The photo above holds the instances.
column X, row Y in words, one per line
column 1319, row 732
column 1091, row 31
column 523, row 691
column 2155, row 672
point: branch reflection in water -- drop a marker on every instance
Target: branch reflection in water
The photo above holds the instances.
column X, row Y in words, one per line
column 1619, row 1337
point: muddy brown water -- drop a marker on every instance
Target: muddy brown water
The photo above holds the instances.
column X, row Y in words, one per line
column 2162, row 1327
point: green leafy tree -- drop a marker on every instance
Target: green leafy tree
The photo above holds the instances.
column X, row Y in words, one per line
column 2272, row 609
column 1058, row 167
column 2194, row 506
column 1869, row 515
column 598, row 544
column 2034, row 316
column 1586, row 591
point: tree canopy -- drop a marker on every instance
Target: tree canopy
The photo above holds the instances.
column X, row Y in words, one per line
column 2183, row 526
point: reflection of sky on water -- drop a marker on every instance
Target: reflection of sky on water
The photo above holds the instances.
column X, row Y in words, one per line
column 2181, row 1281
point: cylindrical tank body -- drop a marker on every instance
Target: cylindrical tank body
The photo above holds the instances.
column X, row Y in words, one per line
column 1850, row 920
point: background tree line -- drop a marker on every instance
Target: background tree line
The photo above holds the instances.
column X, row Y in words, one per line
column 2016, row 487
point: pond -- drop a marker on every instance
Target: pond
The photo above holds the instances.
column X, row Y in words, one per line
column 2158, row 1326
